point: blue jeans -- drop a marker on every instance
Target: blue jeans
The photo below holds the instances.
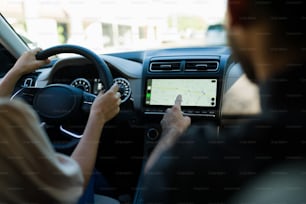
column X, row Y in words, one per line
column 97, row 181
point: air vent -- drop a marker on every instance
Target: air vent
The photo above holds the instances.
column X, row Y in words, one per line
column 196, row 65
column 28, row 80
column 165, row 66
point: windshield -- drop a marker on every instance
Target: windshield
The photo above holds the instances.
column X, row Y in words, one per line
column 117, row 25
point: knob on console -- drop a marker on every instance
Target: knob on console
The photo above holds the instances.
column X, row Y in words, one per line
column 152, row 134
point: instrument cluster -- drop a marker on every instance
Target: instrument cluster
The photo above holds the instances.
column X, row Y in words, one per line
column 96, row 86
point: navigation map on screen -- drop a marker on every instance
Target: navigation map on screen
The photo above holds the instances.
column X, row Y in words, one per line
column 195, row 92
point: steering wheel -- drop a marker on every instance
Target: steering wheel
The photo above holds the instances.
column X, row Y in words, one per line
column 58, row 104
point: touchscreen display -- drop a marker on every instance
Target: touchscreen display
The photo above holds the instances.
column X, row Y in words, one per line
column 195, row 92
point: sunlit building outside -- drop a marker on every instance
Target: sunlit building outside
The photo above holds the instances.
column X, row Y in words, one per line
column 104, row 25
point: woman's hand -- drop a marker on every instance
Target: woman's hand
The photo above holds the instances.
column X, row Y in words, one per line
column 106, row 105
column 25, row 64
column 28, row 63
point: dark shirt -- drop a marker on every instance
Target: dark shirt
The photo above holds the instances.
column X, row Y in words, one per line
column 208, row 165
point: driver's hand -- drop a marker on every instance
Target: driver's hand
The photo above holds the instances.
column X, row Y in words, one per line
column 28, row 63
column 106, row 105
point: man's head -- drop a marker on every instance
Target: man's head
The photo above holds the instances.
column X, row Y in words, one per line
column 264, row 34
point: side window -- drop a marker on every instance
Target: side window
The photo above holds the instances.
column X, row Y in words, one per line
column 6, row 61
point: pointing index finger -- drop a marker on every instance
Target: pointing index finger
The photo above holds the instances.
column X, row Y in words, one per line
column 115, row 87
column 178, row 101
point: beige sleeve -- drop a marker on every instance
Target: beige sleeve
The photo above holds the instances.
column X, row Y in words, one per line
column 30, row 169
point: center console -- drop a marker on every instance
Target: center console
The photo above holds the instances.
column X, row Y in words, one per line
column 198, row 78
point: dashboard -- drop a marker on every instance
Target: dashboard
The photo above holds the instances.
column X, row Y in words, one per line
column 150, row 80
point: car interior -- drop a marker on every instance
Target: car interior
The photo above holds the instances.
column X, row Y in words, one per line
column 208, row 78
